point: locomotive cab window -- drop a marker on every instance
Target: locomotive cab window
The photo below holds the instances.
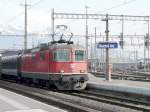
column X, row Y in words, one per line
column 62, row 55
column 33, row 56
column 79, row 55
column 42, row 55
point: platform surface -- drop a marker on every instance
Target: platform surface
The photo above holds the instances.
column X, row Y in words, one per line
column 134, row 87
column 93, row 79
column 12, row 102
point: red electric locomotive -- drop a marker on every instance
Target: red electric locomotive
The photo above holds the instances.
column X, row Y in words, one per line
column 60, row 63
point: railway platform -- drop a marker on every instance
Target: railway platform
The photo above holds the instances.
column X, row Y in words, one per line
column 12, row 102
column 135, row 87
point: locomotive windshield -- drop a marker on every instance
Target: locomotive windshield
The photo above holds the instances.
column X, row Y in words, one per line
column 62, row 55
column 79, row 55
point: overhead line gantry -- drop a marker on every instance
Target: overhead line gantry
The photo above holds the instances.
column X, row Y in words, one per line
column 103, row 17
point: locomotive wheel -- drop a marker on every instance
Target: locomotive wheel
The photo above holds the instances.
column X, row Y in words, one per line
column 64, row 85
column 27, row 81
column 50, row 86
column 80, row 86
column 19, row 80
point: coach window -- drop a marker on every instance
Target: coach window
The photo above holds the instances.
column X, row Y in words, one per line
column 62, row 55
column 79, row 55
column 42, row 55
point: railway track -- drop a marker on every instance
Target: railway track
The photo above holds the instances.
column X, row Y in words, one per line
column 79, row 101
column 115, row 100
column 48, row 97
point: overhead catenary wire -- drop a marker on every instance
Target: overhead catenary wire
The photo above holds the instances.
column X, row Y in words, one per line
column 22, row 12
column 117, row 6
column 113, row 7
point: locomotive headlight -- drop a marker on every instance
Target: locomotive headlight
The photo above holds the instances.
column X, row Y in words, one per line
column 82, row 71
column 61, row 71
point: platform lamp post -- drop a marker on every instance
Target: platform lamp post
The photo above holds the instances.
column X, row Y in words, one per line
column 95, row 54
column 107, row 67
column 25, row 26
column 148, row 42
column 52, row 23
column 86, row 31
column 25, row 22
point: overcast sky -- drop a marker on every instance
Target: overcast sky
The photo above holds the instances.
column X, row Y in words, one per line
column 39, row 17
